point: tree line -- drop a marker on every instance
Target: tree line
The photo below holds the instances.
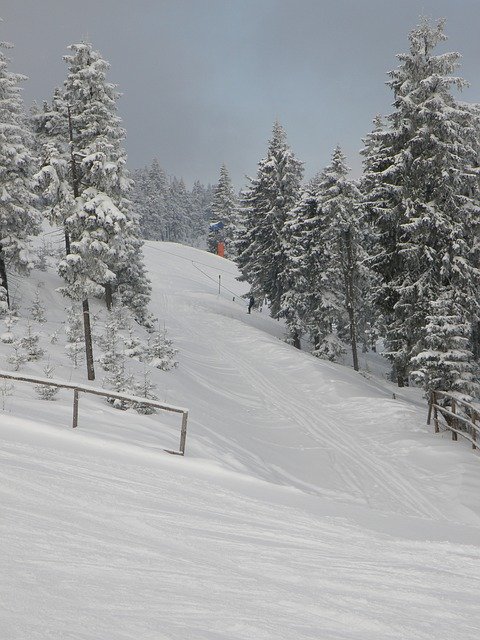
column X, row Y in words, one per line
column 394, row 254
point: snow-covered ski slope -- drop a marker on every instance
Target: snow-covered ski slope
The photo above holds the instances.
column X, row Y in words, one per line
column 310, row 504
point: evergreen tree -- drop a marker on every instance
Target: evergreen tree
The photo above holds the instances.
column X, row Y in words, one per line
column 224, row 209
column 53, row 180
column 47, row 391
column 149, row 198
column 178, row 211
column 422, row 193
column 266, row 203
column 19, row 218
column 446, row 363
column 303, row 269
column 105, row 249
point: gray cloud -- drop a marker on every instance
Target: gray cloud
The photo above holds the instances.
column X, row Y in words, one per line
column 203, row 80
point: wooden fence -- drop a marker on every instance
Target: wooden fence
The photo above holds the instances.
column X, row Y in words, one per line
column 457, row 416
column 79, row 388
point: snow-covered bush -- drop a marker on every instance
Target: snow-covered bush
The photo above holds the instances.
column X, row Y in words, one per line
column 47, row 391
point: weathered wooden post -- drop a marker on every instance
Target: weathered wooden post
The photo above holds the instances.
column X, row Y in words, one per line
column 75, row 408
column 183, row 434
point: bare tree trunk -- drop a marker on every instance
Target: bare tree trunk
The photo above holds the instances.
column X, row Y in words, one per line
column 108, row 295
column 350, row 296
column 296, row 339
column 67, row 243
column 88, row 339
column 3, row 275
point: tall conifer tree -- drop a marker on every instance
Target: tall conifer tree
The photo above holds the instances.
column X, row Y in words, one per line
column 19, row 217
column 423, row 197
column 266, row 203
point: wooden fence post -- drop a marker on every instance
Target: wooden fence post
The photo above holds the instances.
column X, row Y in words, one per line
column 454, row 421
column 183, row 434
column 75, row 408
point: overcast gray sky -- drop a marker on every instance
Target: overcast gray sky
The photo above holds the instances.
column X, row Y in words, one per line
column 203, row 80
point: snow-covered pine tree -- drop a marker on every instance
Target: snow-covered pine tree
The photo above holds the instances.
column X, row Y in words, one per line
column 144, row 389
column 341, row 237
column 423, row 196
column 37, row 308
column 224, row 209
column 47, row 391
column 200, row 212
column 53, row 180
column 266, row 203
column 149, row 199
column 303, row 267
column 178, row 211
column 31, row 344
column 75, row 345
column 19, row 217
column 160, row 352
column 105, row 249
column 446, row 362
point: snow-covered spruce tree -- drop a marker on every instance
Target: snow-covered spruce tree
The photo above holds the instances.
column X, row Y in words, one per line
column 339, row 240
column 422, row 194
column 113, row 362
column 37, row 308
column 446, row 361
column 224, row 209
column 75, row 345
column 105, row 249
column 19, row 217
column 31, row 344
column 200, row 213
column 53, row 180
column 144, row 389
column 160, row 352
column 47, row 391
column 178, row 211
column 303, row 268
column 266, row 203
column 149, row 195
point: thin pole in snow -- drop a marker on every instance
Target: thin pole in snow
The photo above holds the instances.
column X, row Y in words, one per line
column 219, row 283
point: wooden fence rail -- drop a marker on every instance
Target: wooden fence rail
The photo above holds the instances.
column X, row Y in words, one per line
column 80, row 388
column 455, row 415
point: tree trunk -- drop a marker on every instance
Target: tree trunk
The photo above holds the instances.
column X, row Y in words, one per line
column 3, row 275
column 108, row 295
column 88, row 340
column 67, row 243
column 350, row 296
column 296, row 339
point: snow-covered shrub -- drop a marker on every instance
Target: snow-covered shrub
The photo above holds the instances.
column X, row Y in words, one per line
column 30, row 343
column 75, row 339
column 18, row 357
column 37, row 310
column 160, row 352
column 6, row 390
column 47, row 391
column 144, row 389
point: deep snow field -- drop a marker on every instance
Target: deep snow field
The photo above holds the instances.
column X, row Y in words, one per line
column 310, row 503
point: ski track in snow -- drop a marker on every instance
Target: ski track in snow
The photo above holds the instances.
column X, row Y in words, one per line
column 310, row 505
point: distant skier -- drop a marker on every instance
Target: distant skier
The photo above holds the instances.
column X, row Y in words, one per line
column 251, row 302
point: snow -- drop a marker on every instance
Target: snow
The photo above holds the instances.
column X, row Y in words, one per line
column 310, row 503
